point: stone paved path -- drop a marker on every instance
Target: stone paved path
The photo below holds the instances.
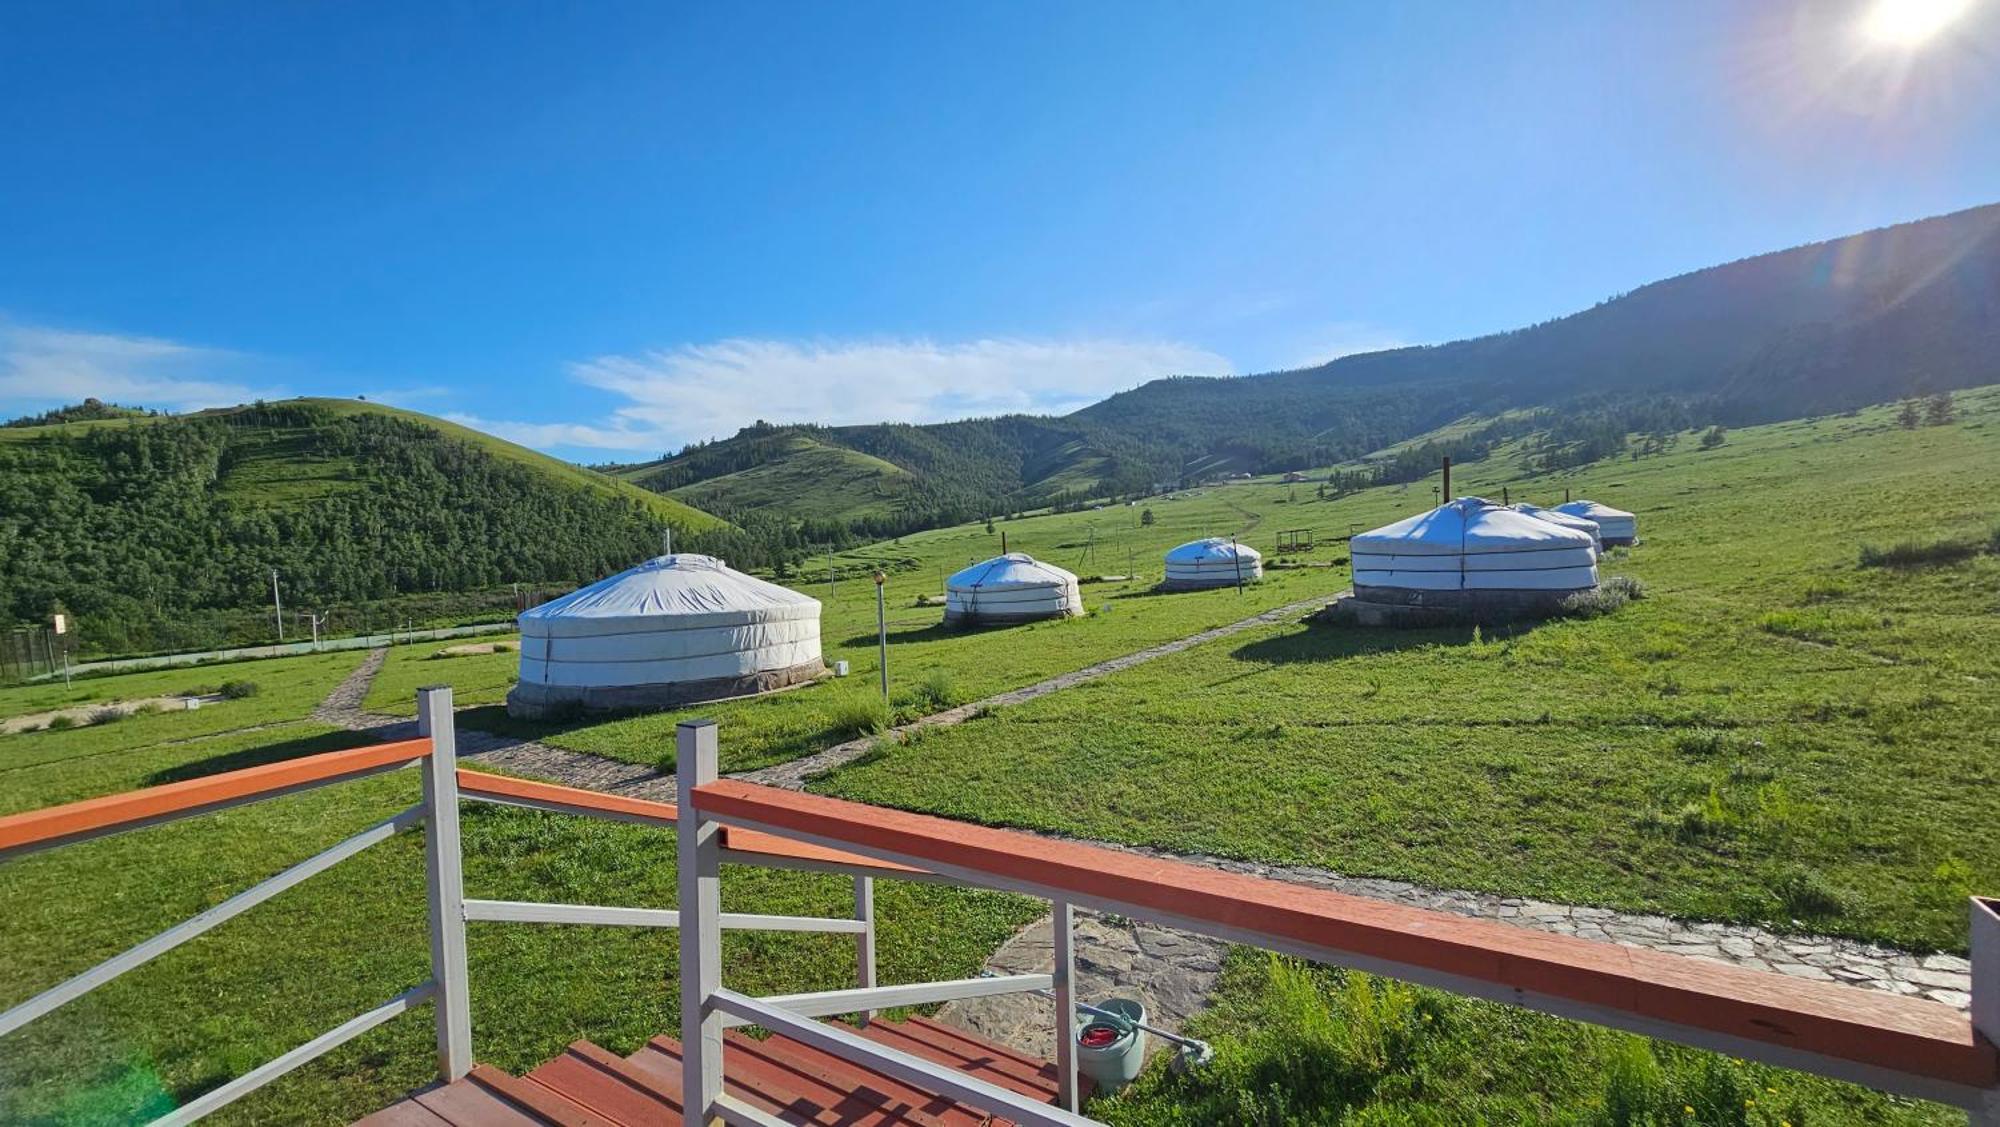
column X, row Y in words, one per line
column 346, row 697
column 1174, row 972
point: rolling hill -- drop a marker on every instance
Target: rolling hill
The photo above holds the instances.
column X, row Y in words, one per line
column 162, row 531
column 1903, row 310
column 832, row 481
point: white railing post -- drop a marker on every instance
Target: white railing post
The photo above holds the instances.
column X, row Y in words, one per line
column 1062, row 918
column 444, row 870
column 1986, row 992
column 864, row 941
column 699, row 860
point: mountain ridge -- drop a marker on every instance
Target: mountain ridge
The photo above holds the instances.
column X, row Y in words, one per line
column 1831, row 325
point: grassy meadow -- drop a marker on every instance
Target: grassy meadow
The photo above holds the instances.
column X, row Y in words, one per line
column 1776, row 733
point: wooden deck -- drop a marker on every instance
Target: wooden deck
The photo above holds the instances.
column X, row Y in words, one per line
column 592, row 1087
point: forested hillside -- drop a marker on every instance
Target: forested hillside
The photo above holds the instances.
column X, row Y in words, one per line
column 1906, row 310
column 152, row 532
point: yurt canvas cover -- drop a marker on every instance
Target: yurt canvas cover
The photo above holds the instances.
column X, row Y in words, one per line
column 1012, row 588
column 1566, row 520
column 1214, row 562
column 673, row 630
column 1473, row 545
column 1616, row 525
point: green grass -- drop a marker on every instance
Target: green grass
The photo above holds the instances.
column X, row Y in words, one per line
column 355, row 936
column 1861, row 726
column 1302, row 1044
column 812, row 479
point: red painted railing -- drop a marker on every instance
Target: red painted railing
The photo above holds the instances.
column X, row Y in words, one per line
column 1923, row 1046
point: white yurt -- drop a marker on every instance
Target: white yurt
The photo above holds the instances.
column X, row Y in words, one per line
column 1214, row 562
column 1566, row 520
column 1472, row 553
column 672, row 631
column 1617, row 525
column 1015, row 587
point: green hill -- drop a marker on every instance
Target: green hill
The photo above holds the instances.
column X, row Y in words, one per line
column 812, row 477
column 1904, row 310
column 160, row 532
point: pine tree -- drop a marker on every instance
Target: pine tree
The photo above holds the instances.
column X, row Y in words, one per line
column 1938, row 410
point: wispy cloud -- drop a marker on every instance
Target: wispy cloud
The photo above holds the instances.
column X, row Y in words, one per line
column 699, row 391
column 43, row 366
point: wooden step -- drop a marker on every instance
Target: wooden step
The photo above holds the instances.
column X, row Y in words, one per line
column 486, row 1096
column 587, row 1086
column 853, row 1092
column 611, row 1086
column 661, row 1060
column 968, row 1053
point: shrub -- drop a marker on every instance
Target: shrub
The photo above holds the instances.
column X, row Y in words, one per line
column 1606, row 597
column 237, row 690
column 60, row 723
column 1702, row 742
column 108, row 715
column 854, row 716
column 1806, row 894
column 937, row 690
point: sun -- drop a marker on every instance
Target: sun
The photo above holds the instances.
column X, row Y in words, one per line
column 1909, row 23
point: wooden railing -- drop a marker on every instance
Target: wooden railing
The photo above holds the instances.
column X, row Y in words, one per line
column 444, row 784
column 1905, row 1045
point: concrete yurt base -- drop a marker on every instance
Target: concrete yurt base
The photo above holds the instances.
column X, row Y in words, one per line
column 555, row 702
column 1398, row 609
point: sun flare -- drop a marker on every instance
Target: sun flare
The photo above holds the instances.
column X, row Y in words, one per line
column 1908, row 23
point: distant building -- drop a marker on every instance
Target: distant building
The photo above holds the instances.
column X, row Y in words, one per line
column 1015, row 587
column 1471, row 554
column 1214, row 562
column 1617, row 525
column 673, row 631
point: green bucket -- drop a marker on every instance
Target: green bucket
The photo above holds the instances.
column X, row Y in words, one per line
column 1111, row 1049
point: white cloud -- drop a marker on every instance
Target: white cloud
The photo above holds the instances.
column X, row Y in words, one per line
column 56, row 366
column 702, row 391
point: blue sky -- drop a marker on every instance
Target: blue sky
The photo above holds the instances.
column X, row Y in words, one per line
column 607, row 230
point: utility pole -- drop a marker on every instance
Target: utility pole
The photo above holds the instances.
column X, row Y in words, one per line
column 277, row 606
column 882, row 630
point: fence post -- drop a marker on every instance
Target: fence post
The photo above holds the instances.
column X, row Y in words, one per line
column 864, row 941
column 699, row 860
column 1986, row 992
column 444, row 871
column 1062, row 918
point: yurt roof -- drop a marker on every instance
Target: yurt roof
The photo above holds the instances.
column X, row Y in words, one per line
column 1553, row 516
column 1469, row 524
column 1592, row 510
column 1013, row 570
column 1214, row 548
column 677, row 586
